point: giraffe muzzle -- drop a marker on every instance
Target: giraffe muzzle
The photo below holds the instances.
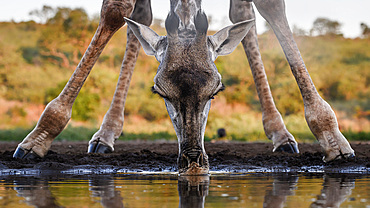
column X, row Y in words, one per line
column 193, row 162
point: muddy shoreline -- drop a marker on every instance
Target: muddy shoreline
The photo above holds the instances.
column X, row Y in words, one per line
column 161, row 156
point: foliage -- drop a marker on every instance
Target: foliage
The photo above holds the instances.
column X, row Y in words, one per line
column 85, row 106
column 65, row 37
column 43, row 14
column 30, row 54
column 36, row 62
column 16, row 111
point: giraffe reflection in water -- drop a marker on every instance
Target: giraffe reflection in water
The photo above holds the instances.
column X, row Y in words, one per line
column 105, row 189
column 35, row 192
column 192, row 191
column 335, row 191
column 276, row 194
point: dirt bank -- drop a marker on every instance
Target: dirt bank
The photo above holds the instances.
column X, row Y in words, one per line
column 162, row 156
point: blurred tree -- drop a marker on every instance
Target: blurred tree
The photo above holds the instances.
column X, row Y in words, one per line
column 31, row 55
column 298, row 31
column 325, row 26
column 66, row 36
column 365, row 30
column 44, row 14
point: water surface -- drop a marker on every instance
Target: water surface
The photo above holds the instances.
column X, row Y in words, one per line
column 169, row 190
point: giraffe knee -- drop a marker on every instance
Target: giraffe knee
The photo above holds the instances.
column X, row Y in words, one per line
column 142, row 12
column 113, row 12
column 240, row 10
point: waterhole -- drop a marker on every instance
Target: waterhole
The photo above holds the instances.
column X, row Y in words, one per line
column 219, row 189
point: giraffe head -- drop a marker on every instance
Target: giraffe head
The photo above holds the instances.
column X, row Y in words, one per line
column 187, row 78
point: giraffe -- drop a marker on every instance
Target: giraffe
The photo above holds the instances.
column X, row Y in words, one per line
column 187, row 79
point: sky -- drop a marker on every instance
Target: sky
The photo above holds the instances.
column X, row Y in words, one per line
column 301, row 13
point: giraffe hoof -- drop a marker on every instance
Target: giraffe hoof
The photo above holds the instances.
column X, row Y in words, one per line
column 343, row 157
column 25, row 154
column 97, row 147
column 350, row 156
column 289, row 147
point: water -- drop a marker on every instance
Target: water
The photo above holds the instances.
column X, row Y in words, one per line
column 169, row 190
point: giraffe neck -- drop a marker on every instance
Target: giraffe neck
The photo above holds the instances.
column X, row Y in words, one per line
column 186, row 11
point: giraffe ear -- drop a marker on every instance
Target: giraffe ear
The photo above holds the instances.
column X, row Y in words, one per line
column 152, row 43
column 225, row 41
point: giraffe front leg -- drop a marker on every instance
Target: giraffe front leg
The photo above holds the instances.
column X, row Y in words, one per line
column 273, row 123
column 323, row 123
column 58, row 112
column 319, row 115
column 52, row 121
column 111, row 128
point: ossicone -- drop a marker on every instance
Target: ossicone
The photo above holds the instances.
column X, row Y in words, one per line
column 172, row 24
column 201, row 22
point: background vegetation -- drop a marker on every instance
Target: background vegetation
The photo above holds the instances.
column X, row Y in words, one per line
column 37, row 59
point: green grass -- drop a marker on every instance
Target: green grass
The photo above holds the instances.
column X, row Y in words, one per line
column 357, row 136
column 85, row 134
column 80, row 134
column 16, row 134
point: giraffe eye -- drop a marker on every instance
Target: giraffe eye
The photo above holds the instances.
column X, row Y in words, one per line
column 220, row 89
column 158, row 93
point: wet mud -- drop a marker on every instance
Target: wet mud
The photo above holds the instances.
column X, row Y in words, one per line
column 143, row 156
